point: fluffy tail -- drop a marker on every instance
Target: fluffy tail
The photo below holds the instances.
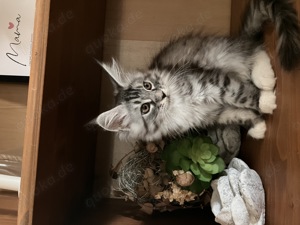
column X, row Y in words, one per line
column 284, row 16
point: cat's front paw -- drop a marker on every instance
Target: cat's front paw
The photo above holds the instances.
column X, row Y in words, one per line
column 258, row 130
column 267, row 102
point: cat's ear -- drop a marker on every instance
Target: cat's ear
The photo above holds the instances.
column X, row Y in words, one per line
column 114, row 119
column 116, row 73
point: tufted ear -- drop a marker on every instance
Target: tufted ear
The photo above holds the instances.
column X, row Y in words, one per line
column 116, row 73
column 114, row 119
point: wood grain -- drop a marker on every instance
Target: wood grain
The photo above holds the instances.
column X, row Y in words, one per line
column 70, row 100
column 276, row 158
column 34, row 108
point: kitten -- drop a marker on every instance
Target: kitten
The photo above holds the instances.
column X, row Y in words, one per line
column 201, row 81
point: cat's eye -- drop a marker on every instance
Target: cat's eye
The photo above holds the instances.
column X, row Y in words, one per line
column 145, row 108
column 147, row 85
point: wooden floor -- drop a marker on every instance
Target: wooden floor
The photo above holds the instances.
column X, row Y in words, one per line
column 8, row 208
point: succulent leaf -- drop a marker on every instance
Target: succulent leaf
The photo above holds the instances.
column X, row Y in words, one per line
column 172, row 162
column 214, row 149
column 206, row 155
column 184, row 146
column 211, row 159
column 197, row 155
column 185, row 163
column 195, row 169
column 204, row 176
column 198, row 186
column 207, row 167
column 205, row 147
column 200, row 161
column 219, row 165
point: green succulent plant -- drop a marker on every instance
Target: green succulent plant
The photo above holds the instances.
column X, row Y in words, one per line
column 195, row 154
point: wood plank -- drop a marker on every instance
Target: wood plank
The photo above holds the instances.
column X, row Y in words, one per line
column 71, row 97
column 276, row 158
column 32, row 127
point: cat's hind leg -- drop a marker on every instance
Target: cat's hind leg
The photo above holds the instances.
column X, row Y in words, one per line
column 258, row 129
column 264, row 78
column 244, row 117
column 262, row 73
column 267, row 102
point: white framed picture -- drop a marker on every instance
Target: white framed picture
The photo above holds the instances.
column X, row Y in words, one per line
column 16, row 24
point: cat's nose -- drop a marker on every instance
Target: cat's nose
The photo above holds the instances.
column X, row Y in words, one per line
column 159, row 95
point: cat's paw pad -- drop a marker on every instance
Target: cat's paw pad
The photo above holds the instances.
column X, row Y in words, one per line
column 267, row 102
column 258, row 130
column 262, row 74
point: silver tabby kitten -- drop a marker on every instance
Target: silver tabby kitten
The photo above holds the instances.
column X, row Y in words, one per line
column 200, row 81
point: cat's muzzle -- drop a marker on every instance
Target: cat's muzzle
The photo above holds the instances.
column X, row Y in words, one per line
column 159, row 95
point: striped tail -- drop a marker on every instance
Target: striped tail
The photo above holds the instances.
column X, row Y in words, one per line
column 284, row 17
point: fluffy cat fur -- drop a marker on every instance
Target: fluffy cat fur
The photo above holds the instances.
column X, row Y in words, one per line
column 201, row 81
